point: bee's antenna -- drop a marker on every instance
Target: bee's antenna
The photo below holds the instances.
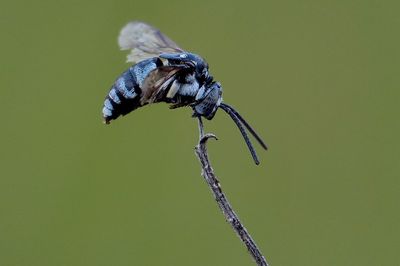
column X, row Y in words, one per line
column 252, row 131
column 242, row 130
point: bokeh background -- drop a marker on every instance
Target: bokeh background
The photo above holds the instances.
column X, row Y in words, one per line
column 319, row 80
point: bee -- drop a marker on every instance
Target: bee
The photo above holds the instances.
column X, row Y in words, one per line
column 163, row 72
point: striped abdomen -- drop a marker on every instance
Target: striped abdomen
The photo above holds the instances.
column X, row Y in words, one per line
column 126, row 92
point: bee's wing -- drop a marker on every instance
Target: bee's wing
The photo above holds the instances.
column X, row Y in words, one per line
column 145, row 41
column 156, row 84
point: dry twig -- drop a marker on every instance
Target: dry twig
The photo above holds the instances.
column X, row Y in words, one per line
column 213, row 183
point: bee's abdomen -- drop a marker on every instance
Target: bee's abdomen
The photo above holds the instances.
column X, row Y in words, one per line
column 125, row 94
column 123, row 97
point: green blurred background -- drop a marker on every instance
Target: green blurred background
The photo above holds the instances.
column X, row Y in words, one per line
column 319, row 80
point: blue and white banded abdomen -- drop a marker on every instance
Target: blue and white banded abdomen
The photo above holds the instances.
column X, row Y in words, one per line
column 125, row 94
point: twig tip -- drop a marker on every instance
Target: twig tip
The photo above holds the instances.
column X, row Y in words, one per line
column 206, row 137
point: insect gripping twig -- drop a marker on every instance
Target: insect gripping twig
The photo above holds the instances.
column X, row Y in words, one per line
column 213, row 183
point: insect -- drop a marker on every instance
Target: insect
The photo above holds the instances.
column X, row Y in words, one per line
column 163, row 72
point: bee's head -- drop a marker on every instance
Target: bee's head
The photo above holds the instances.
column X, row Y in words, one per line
column 208, row 100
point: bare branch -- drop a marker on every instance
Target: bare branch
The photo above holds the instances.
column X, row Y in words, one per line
column 224, row 205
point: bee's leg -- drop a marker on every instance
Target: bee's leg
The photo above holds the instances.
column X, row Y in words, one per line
column 177, row 105
column 196, row 114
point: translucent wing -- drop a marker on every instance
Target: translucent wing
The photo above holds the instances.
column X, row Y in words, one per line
column 156, row 83
column 145, row 41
